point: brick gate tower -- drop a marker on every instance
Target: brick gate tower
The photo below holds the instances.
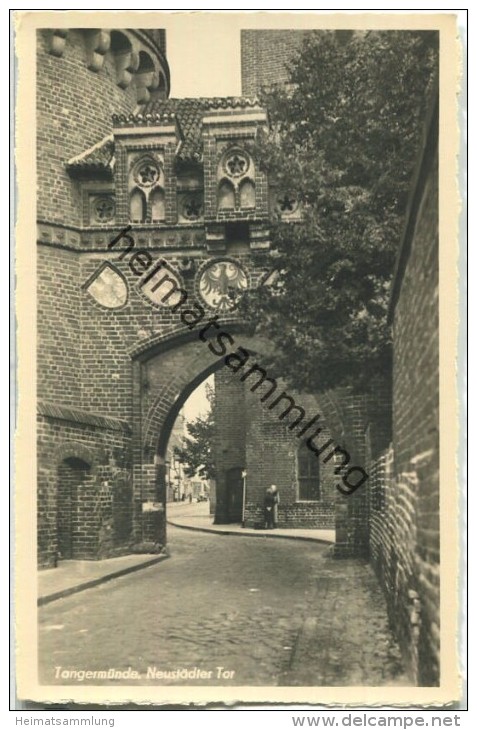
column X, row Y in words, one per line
column 153, row 219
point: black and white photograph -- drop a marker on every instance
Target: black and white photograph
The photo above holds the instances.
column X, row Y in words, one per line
column 241, row 406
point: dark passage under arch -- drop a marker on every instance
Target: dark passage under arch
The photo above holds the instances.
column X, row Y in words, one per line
column 72, row 473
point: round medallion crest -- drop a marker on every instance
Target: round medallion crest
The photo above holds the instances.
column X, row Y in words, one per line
column 146, row 172
column 236, row 163
column 221, row 284
column 286, row 204
column 193, row 207
column 104, row 209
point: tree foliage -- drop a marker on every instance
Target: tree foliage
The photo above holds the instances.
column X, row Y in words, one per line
column 344, row 138
column 197, row 452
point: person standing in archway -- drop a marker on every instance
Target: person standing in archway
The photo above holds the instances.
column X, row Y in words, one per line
column 276, row 502
column 271, row 507
column 268, row 508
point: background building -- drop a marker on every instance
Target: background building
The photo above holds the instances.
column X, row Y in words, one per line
column 265, row 57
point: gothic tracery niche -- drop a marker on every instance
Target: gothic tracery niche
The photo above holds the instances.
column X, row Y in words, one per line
column 221, row 284
column 146, row 189
column 226, row 196
column 247, row 194
column 158, row 205
column 236, row 181
column 137, row 206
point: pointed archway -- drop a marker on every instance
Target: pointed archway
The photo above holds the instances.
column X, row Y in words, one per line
column 166, row 370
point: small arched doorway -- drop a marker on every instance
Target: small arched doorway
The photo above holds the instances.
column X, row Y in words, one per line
column 72, row 474
column 234, row 494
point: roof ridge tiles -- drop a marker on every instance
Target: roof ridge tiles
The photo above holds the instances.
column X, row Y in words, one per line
column 98, row 147
column 186, row 112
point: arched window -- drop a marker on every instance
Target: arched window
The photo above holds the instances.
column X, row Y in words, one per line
column 145, row 63
column 145, row 77
column 137, row 206
column 226, row 195
column 125, row 58
column 247, row 194
column 158, row 205
column 308, row 474
column 159, row 89
column 119, row 42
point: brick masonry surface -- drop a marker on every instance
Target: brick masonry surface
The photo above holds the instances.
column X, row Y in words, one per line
column 265, row 57
column 404, row 492
column 74, row 107
column 101, row 516
column 272, row 457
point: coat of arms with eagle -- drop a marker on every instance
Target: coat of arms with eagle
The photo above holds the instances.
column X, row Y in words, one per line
column 221, row 284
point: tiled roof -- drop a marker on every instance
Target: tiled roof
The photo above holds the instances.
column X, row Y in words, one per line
column 76, row 415
column 187, row 112
column 190, row 112
column 99, row 157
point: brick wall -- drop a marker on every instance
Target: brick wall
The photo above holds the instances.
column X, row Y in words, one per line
column 272, row 458
column 72, row 475
column 265, row 55
column 74, row 109
column 348, row 417
column 59, row 328
column 102, row 493
column 219, row 136
column 230, row 450
column 392, row 546
column 271, row 453
column 404, row 507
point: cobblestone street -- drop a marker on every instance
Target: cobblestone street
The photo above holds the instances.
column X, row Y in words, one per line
column 269, row 612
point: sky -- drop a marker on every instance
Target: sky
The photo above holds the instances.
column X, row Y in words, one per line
column 203, row 51
column 197, row 403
